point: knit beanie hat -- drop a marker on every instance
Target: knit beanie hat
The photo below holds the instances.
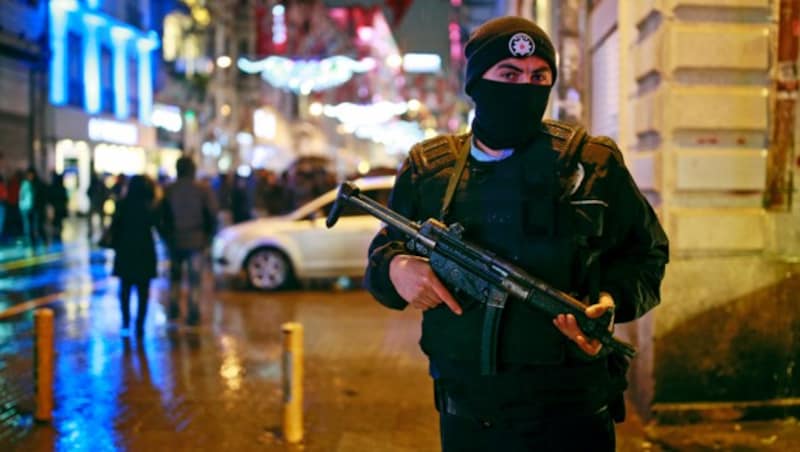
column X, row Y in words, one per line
column 505, row 37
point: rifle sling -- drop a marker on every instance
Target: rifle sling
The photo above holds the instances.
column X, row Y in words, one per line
column 462, row 154
column 497, row 297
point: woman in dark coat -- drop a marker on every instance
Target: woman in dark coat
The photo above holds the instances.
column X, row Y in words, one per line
column 132, row 239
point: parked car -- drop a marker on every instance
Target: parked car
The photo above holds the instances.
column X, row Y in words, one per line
column 274, row 252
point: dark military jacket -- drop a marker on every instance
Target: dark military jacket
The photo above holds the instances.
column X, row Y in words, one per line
column 584, row 228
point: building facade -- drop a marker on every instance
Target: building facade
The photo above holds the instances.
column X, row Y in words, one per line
column 23, row 65
column 686, row 87
column 103, row 58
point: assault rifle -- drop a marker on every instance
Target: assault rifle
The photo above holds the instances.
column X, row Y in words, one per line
column 481, row 275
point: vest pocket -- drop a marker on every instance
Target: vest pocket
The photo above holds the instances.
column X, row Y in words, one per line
column 528, row 336
column 589, row 217
column 450, row 336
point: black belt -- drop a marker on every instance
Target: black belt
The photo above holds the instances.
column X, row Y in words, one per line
column 448, row 405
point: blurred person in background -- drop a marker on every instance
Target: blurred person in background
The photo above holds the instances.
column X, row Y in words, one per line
column 28, row 208
column 117, row 190
column 132, row 225
column 241, row 208
column 58, row 199
column 98, row 194
column 273, row 194
column 13, row 224
column 3, row 200
column 221, row 187
column 188, row 222
column 568, row 212
column 40, row 202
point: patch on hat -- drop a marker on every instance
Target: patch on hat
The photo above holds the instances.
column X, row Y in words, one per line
column 521, row 45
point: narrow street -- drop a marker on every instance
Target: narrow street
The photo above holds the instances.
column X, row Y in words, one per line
column 219, row 386
column 216, row 387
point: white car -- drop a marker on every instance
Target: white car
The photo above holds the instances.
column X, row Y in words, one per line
column 273, row 252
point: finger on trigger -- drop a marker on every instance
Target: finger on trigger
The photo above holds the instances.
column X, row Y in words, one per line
column 445, row 296
column 427, row 301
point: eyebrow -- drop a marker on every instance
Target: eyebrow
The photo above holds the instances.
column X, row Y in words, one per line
column 509, row 66
column 540, row 70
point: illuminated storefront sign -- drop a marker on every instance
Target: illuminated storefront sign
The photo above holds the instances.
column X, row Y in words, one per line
column 265, row 124
column 168, row 117
column 113, row 131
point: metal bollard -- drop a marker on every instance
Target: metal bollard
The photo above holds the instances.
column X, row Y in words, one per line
column 43, row 362
column 292, row 382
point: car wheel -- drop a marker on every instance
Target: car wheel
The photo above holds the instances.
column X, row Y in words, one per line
column 268, row 269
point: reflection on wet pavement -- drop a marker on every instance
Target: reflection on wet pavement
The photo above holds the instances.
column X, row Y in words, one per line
column 213, row 387
column 218, row 386
column 16, row 378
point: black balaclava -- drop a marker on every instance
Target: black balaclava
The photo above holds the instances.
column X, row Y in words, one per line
column 507, row 115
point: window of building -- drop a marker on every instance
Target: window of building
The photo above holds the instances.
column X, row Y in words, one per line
column 133, row 88
column 133, row 15
column 74, row 70
column 106, row 80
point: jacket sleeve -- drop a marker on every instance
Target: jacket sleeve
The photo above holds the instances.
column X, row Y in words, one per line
column 390, row 242
column 632, row 270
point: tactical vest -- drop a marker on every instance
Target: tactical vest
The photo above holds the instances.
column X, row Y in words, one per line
column 573, row 228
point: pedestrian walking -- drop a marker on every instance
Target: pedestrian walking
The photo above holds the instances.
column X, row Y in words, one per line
column 13, row 225
column 241, row 208
column 135, row 252
column 40, row 202
column 58, row 199
column 28, row 207
column 189, row 221
column 3, row 201
column 98, row 194
column 566, row 211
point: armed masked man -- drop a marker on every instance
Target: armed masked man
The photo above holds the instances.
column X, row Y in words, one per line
column 552, row 200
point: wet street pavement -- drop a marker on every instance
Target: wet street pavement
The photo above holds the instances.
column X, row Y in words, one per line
column 218, row 386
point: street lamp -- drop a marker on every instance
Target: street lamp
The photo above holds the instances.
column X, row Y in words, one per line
column 224, row 61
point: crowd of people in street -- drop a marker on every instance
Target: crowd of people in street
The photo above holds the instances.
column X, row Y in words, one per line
column 32, row 211
column 128, row 213
column 266, row 193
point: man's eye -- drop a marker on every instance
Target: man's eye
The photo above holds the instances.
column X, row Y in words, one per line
column 541, row 78
column 509, row 75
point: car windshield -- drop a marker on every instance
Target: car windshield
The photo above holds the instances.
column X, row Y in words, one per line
column 321, row 206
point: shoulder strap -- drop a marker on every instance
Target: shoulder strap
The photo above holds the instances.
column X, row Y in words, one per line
column 568, row 140
column 431, row 156
column 462, row 154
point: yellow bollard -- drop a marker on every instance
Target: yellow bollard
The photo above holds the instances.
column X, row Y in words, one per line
column 43, row 361
column 292, row 382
